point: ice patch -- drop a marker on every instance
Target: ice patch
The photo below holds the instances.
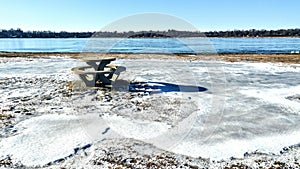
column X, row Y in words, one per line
column 45, row 139
column 276, row 96
column 237, row 148
column 36, row 67
column 137, row 129
column 274, row 67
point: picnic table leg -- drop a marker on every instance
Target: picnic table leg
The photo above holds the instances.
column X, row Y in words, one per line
column 101, row 65
column 102, row 81
column 103, row 78
column 100, row 77
column 88, row 83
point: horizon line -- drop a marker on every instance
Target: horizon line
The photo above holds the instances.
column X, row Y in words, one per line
column 152, row 30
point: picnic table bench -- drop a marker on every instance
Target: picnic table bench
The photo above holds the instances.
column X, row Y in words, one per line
column 99, row 73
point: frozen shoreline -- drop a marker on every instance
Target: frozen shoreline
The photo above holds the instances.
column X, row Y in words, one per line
column 292, row 58
column 265, row 87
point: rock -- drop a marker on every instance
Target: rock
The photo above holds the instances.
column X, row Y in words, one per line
column 25, row 110
column 285, row 149
column 16, row 101
column 17, row 111
column 294, row 97
column 48, row 97
column 24, row 99
column 6, row 162
column 5, row 109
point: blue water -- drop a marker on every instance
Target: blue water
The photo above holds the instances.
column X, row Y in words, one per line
column 167, row 45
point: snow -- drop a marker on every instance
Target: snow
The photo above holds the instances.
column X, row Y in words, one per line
column 244, row 109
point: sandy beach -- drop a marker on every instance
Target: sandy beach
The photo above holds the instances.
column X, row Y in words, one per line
column 281, row 58
column 247, row 116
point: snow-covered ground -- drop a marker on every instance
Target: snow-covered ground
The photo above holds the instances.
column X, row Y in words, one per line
column 206, row 109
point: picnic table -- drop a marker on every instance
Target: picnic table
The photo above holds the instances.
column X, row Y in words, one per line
column 99, row 72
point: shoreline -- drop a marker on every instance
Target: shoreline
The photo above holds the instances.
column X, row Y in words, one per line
column 291, row 58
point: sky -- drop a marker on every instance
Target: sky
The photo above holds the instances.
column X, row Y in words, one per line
column 94, row 15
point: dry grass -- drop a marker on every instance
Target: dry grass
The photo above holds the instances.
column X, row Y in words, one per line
column 5, row 116
column 283, row 58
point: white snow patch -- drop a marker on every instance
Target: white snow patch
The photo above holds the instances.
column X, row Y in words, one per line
column 237, row 148
column 134, row 128
column 276, row 96
column 45, row 139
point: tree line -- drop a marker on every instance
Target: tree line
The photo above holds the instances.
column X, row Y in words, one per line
column 18, row 33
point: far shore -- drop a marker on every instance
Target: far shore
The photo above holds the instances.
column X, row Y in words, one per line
column 229, row 57
column 117, row 37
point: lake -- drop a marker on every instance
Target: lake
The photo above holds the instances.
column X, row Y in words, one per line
column 159, row 45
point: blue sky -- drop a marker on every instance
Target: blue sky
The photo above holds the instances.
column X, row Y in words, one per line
column 92, row 15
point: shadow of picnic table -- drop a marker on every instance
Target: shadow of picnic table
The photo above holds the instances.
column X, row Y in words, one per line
column 158, row 87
